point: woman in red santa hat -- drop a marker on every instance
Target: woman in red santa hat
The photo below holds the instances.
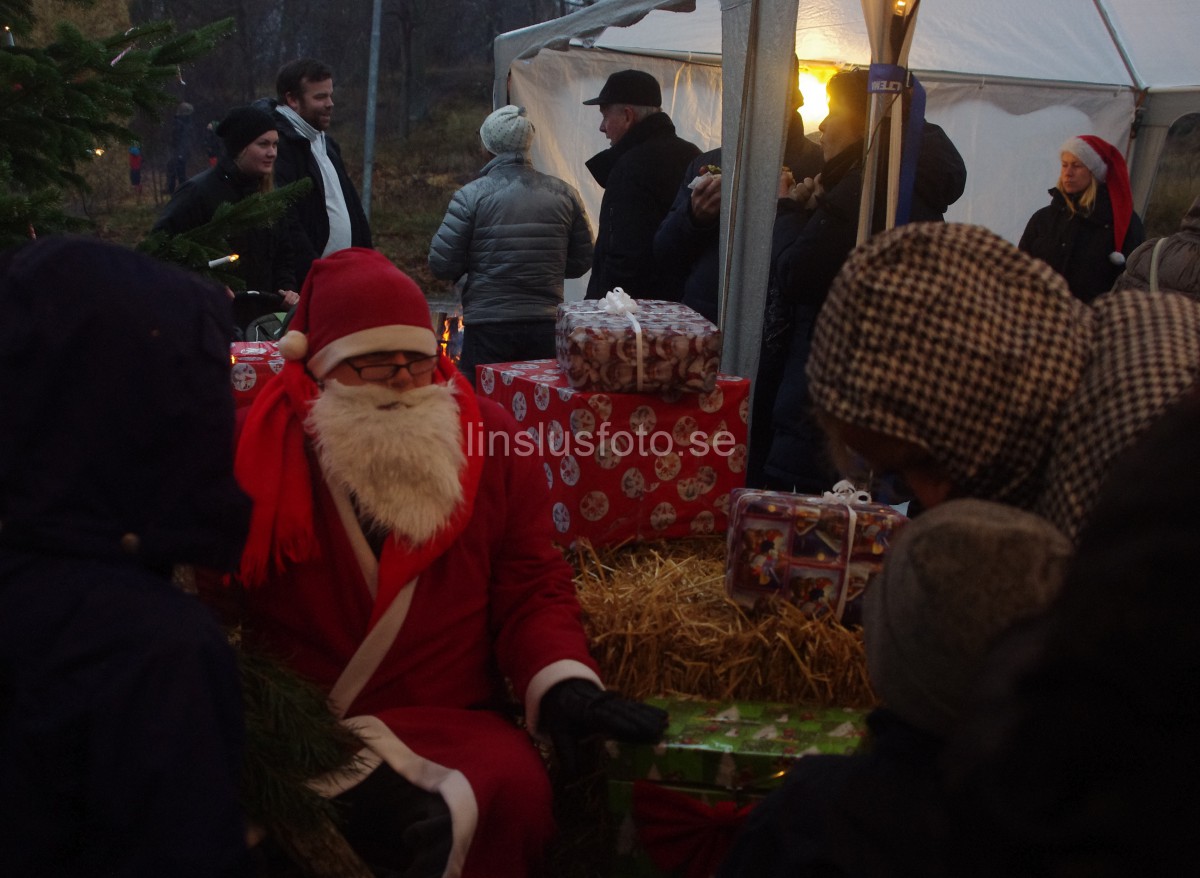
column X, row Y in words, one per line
column 1090, row 226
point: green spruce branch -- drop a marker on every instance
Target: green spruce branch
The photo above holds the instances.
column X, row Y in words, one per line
column 195, row 248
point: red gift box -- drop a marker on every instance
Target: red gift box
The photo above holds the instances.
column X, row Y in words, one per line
column 624, row 466
column 816, row 552
column 254, row 364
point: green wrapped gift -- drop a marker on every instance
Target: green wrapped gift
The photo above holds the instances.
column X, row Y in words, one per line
column 715, row 761
column 736, row 746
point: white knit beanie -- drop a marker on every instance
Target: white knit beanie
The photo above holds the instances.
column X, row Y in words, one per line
column 507, row 130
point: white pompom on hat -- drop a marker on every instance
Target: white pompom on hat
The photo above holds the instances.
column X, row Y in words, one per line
column 355, row 302
column 507, row 130
column 1108, row 167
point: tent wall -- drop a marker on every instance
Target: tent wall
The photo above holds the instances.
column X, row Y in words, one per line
column 1008, row 131
column 553, row 86
column 1008, row 81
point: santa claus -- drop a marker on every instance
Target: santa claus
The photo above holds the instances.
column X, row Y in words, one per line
column 415, row 579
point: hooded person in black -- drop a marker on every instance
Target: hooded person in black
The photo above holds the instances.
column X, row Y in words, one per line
column 120, row 710
column 687, row 243
column 814, row 233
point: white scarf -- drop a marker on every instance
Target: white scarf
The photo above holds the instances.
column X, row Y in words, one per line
column 335, row 199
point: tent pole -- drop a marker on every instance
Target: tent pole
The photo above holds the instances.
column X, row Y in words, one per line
column 372, row 90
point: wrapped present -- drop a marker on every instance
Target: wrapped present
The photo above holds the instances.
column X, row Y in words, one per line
column 619, row 345
column 626, row 466
column 254, row 364
column 677, row 805
column 817, row 552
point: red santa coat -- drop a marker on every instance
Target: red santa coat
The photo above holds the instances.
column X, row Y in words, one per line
column 498, row 603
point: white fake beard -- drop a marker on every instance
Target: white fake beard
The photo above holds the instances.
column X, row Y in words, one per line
column 398, row 454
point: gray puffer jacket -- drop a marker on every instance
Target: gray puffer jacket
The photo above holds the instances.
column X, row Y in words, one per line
column 1178, row 260
column 515, row 233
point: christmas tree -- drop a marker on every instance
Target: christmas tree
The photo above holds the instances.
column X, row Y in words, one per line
column 61, row 101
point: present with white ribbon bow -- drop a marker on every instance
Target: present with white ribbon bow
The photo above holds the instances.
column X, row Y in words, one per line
column 819, row 553
column 621, row 345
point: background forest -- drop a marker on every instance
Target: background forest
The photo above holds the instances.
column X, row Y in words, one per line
column 434, row 90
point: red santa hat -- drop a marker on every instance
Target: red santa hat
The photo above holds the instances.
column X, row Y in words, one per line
column 1108, row 166
column 354, row 302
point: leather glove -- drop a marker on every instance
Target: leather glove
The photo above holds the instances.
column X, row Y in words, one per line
column 577, row 708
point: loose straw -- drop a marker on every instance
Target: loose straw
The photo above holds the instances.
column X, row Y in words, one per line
column 660, row 624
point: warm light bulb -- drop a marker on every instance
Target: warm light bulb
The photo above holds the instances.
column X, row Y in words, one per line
column 816, row 101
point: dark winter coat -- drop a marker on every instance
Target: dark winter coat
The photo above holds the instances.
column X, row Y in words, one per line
column 640, row 175
column 265, row 256
column 872, row 814
column 309, row 219
column 120, row 711
column 515, row 233
column 1178, row 260
column 808, row 250
column 689, row 250
column 1078, row 246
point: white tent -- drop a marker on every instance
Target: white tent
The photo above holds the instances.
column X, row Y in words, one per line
column 1009, row 81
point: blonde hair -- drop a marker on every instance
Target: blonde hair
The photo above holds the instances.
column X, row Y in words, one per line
column 1087, row 198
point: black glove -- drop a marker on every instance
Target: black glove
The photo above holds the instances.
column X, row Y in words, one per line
column 576, row 708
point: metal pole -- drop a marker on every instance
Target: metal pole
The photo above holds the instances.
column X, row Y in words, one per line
column 372, row 91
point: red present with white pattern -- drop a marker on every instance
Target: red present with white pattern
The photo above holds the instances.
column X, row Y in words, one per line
column 625, row 466
column 657, row 347
column 254, row 363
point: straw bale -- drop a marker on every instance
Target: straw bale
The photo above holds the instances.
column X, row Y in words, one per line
column 660, row 624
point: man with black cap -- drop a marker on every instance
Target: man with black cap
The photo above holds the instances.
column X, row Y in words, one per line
column 402, row 565
column 640, row 174
column 265, row 257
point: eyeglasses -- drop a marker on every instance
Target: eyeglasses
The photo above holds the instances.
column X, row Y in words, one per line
column 388, row 371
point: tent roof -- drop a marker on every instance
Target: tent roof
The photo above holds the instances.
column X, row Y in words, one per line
column 1138, row 43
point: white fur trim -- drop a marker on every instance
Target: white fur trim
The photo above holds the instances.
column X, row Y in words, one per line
column 370, row 653
column 1083, row 151
column 334, row 783
column 363, row 553
column 1116, row 257
column 419, row 339
column 451, row 784
column 543, row 680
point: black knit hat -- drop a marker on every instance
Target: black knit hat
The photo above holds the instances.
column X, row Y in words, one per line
column 241, row 126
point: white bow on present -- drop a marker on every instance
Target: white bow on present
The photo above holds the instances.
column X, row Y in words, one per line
column 618, row 302
column 845, row 492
